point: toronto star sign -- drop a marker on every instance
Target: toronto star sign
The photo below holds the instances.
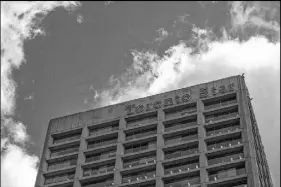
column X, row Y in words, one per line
column 176, row 100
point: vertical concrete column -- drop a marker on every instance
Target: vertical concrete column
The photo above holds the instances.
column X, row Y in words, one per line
column 247, row 135
column 81, row 156
column 119, row 152
column 202, row 145
column 160, row 153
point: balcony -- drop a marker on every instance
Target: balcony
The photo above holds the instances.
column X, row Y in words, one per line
column 139, row 162
column 178, row 126
column 141, row 122
column 184, row 183
column 61, row 164
column 140, row 147
column 66, row 139
column 220, row 104
column 223, row 130
column 180, row 113
column 104, row 130
column 107, row 183
column 102, row 156
column 59, row 178
column 181, row 168
column 180, row 153
column 181, row 139
column 64, row 151
column 138, row 177
column 225, row 159
column 101, row 143
column 98, row 170
column 225, row 144
column 221, row 116
column 223, row 174
column 140, row 134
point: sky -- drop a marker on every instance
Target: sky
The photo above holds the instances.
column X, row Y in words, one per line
column 59, row 58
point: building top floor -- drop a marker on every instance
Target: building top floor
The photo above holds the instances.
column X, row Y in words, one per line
column 148, row 104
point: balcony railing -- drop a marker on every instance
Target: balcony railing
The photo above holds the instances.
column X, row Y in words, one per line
column 227, row 173
column 140, row 148
column 59, row 178
column 64, row 151
column 141, row 122
column 140, row 135
column 60, row 165
column 181, row 153
column 224, row 144
column 181, row 139
column 138, row 177
column 101, row 157
column 102, row 143
column 180, row 169
column 185, row 183
column 180, row 126
column 103, row 130
column 67, row 139
column 139, row 162
column 98, row 171
column 180, row 113
column 220, row 117
column 220, row 104
column 108, row 183
column 228, row 158
column 223, row 130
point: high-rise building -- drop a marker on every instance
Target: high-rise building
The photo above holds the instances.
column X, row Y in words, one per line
column 200, row 136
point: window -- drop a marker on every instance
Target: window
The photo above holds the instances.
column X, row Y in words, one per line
column 220, row 103
column 182, row 124
column 221, row 129
column 99, row 170
column 226, row 173
column 59, row 178
column 62, row 164
column 141, row 120
column 101, row 142
column 101, row 156
column 181, row 167
column 63, row 137
column 139, row 161
column 138, row 176
column 221, row 115
column 182, row 182
column 103, row 130
column 63, row 151
column 140, row 147
column 181, row 111
column 141, row 133
column 229, row 142
column 181, row 138
column 181, row 152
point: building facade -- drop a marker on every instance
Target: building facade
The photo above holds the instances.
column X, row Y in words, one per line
column 200, row 136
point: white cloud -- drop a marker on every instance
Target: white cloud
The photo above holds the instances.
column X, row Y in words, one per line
column 18, row 168
column 19, row 22
column 79, row 19
column 257, row 57
column 253, row 14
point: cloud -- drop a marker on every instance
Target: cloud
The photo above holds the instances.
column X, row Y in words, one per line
column 255, row 15
column 18, row 168
column 79, row 19
column 19, row 22
column 213, row 58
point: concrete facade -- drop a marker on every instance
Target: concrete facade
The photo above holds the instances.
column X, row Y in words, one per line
column 205, row 135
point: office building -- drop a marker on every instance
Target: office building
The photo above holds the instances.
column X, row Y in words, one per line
column 200, row 136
